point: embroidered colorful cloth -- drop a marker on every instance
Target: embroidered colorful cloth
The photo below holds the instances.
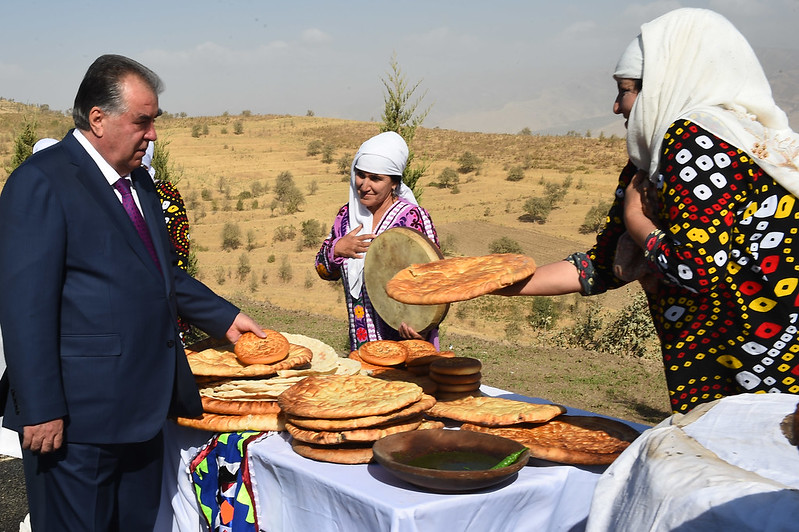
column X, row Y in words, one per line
column 221, row 476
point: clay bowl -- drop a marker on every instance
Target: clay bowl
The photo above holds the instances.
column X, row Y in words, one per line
column 448, row 461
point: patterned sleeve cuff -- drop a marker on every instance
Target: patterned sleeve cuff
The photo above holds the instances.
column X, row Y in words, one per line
column 652, row 244
column 331, row 255
column 586, row 273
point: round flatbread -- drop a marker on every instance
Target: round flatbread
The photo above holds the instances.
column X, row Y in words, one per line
column 355, row 435
column 456, row 366
column 346, row 396
column 495, row 411
column 251, row 349
column 383, row 352
column 222, row 362
column 354, row 355
column 223, row 423
column 414, row 409
column 425, row 359
column 360, row 453
column 395, row 374
column 578, row 440
column 455, row 379
column 235, row 407
column 458, row 278
column 455, row 388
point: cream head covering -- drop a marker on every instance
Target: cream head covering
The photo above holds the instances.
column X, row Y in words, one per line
column 43, row 143
column 385, row 154
column 698, row 66
column 147, row 159
column 631, row 62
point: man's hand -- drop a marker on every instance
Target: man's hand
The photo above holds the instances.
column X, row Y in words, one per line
column 351, row 245
column 242, row 324
column 45, row 437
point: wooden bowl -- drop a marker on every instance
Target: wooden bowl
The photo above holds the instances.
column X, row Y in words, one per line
column 448, row 461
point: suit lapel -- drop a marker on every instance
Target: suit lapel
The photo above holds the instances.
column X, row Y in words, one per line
column 95, row 183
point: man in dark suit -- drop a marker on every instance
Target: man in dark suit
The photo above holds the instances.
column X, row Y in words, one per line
column 89, row 312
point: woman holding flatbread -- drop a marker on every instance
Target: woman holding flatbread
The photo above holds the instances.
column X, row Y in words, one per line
column 709, row 201
column 379, row 200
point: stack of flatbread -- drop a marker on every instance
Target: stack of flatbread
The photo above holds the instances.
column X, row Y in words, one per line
column 237, row 396
column 337, row 418
column 543, row 428
column 407, row 360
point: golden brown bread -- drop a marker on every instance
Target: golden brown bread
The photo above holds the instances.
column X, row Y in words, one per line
column 250, row 349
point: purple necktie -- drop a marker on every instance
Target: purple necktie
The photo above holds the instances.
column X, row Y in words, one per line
column 123, row 186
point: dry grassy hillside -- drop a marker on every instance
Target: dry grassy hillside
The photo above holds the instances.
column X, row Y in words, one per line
column 218, row 169
column 219, row 159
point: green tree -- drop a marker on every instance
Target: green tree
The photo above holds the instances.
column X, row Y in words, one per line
column 23, row 145
column 402, row 115
column 469, row 162
column 448, row 178
column 537, row 209
column 231, row 236
column 244, row 268
column 312, row 233
column 164, row 169
column 287, row 194
column 327, row 153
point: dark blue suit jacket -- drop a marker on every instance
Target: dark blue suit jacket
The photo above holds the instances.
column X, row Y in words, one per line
column 89, row 323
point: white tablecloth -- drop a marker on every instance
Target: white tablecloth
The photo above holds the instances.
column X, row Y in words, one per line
column 724, row 466
column 293, row 493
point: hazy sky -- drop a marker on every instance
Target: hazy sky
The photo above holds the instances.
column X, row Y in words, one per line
column 489, row 65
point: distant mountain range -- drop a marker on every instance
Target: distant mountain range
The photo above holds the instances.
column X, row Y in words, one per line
column 781, row 67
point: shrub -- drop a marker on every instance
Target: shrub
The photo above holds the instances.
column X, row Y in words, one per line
column 632, row 332
column 238, row 127
column 343, row 165
column 469, row 162
column 516, row 173
column 195, row 131
column 448, row 178
column 312, row 233
column 537, row 209
column 288, row 196
column 231, row 236
column 327, row 153
column 505, row 245
column 313, row 187
column 283, row 233
column 595, row 218
column 554, row 193
column 244, row 268
column 314, row 148
column 257, row 189
column 543, row 312
column 284, row 273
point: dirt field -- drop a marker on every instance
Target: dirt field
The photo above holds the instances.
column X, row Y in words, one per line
column 217, row 170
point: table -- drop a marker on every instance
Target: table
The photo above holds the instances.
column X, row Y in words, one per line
column 293, row 493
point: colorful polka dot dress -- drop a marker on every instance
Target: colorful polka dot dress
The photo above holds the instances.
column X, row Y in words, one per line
column 727, row 303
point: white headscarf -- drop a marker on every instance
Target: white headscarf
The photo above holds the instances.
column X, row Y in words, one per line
column 697, row 65
column 385, row 154
column 147, row 159
column 43, row 143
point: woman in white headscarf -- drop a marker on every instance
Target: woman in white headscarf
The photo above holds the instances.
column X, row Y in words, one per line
column 709, row 199
column 378, row 201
